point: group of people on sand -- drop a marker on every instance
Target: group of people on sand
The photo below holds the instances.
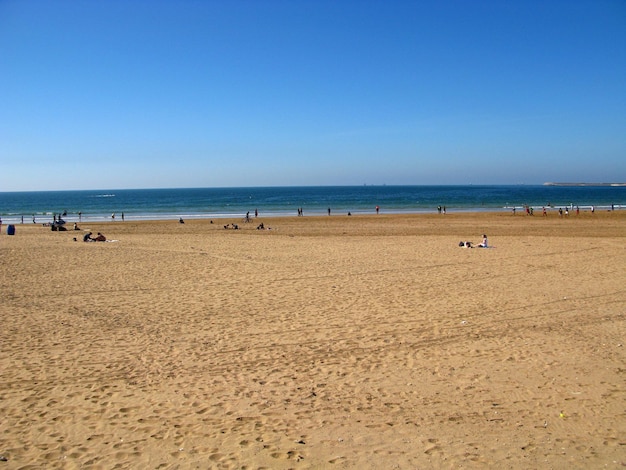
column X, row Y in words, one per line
column 483, row 244
column 99, row 238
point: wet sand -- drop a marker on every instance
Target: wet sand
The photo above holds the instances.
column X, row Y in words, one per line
column 325, row 342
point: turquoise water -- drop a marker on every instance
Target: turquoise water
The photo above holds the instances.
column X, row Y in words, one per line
column 194, row 203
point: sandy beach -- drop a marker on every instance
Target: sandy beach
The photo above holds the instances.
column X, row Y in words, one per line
column 324, row 342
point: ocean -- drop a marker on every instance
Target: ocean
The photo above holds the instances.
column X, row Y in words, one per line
column 209, row 203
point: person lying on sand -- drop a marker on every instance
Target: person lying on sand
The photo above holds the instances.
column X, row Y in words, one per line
column 482, row 244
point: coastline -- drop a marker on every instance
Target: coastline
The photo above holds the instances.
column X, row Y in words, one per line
column 348, row 341
column 286, row 214
column 223, row 203
column 616, row 185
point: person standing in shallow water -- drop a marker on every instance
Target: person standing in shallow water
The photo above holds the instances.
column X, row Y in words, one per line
column 329, row 211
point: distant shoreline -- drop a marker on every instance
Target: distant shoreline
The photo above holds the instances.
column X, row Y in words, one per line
column 583, row 184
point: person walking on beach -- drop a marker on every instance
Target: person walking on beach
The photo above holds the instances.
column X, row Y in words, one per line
column 329, row 211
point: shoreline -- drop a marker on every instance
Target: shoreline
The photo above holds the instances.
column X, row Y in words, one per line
column 130, row 217
column 221, row 203
column 382, row 222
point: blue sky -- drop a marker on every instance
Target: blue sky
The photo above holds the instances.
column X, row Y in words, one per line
column 149, row 94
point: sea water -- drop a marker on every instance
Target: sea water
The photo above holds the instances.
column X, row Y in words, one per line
column 209, row 203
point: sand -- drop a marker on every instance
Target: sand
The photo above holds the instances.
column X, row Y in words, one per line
column 326, row 342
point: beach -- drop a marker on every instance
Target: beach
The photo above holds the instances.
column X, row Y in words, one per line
column 370, row 341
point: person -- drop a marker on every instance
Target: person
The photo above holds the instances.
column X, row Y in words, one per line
column 181, row 221
column 484, row 243
column 87, row 237
column 100, row 238
column 76, row 226
column 377, row 209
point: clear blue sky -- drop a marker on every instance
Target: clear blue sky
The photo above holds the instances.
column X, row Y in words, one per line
column 149, row 93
